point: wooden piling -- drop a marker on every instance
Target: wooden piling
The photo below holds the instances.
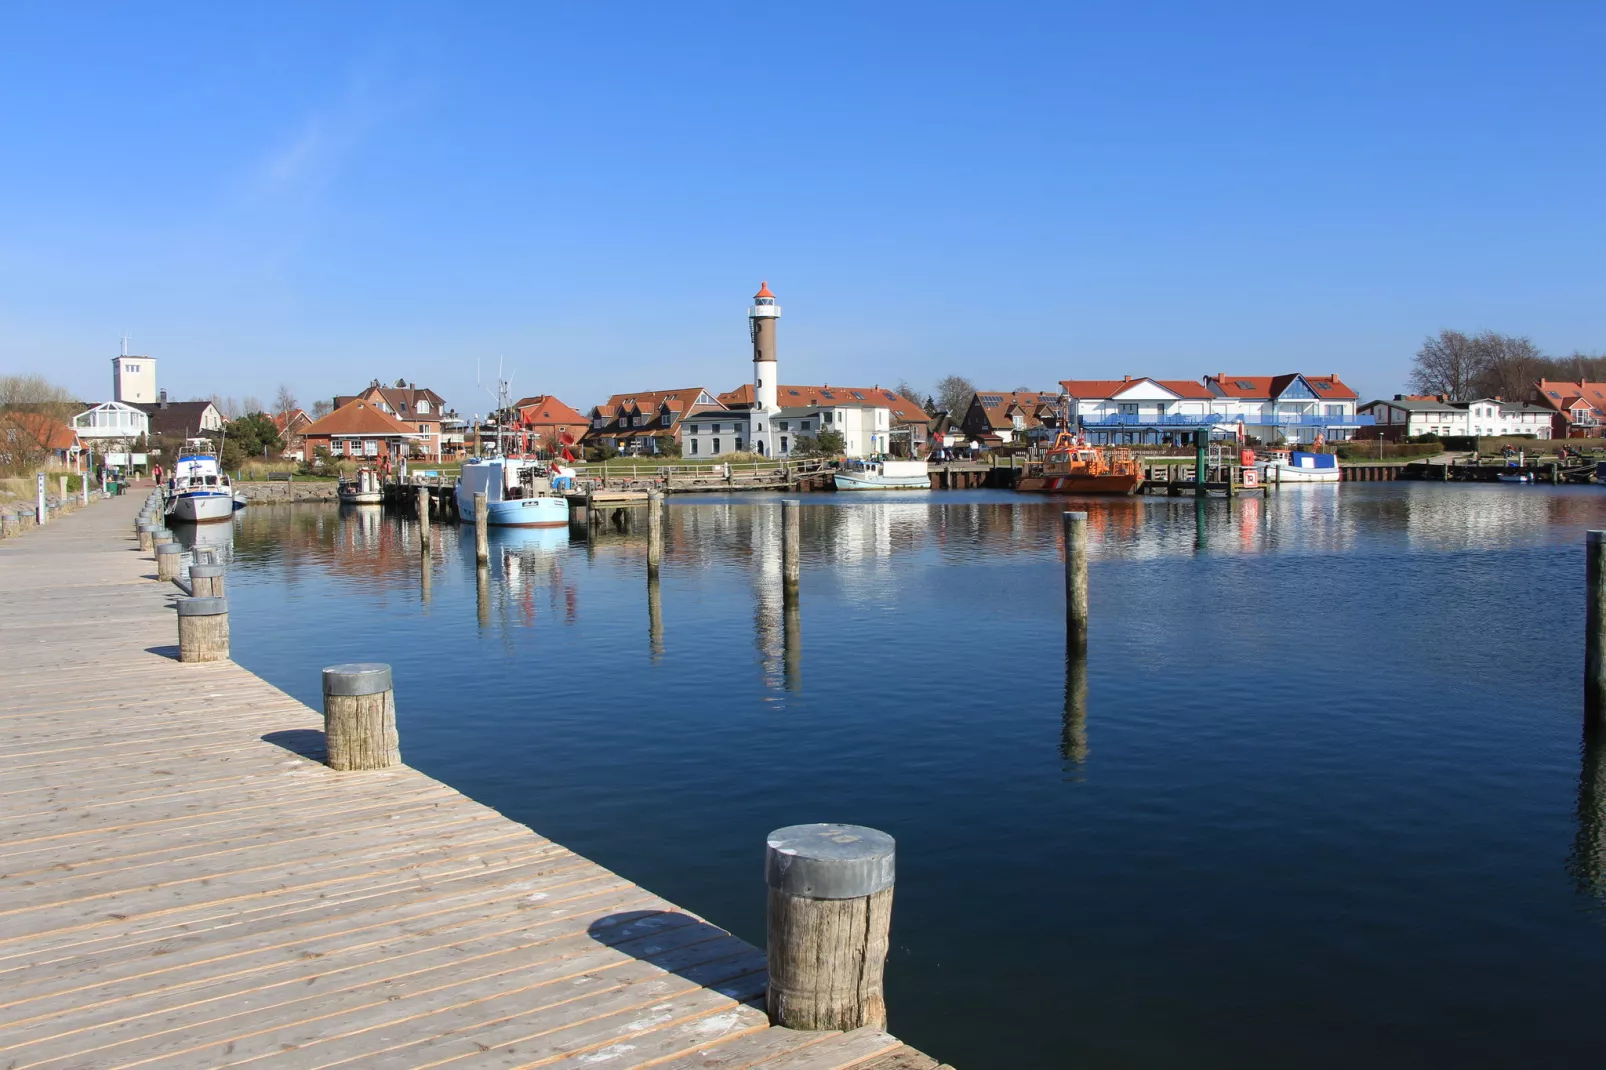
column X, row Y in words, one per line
column 203, row 629
column 791, row 538
column 147, row 534
column 1595, row 628
column 169, row 555
column 482, row 545
column 655, row 530
column 1201, row 439
column 422, row 499
column 1076, row 579
column 359, row 717
column 206, row 581
column 829, row 915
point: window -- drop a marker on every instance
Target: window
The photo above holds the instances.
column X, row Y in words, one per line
column 825, row 417
column 1242, row 385
column 805, row 426
column 694, row 447
column 761, row 384
column 783, row 444
column 782, row 425
column 423, row 408
column 1320, row 384
column 716, row 445
column 597, row 421
column 423, row 429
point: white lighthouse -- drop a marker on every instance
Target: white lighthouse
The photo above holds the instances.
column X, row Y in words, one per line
column 761, row 319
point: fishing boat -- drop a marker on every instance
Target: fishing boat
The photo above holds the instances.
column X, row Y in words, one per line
column 876, row 473
column 518, row 493
column 361, row 489
column 1297, row 466
column 1072, row 467
column 198, row 491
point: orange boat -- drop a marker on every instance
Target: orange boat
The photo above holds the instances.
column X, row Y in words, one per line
column 1073, row 467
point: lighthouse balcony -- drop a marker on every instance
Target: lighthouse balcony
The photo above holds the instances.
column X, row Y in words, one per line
column 761, row 311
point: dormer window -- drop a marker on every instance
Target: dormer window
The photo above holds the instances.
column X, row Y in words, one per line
column 423, row 408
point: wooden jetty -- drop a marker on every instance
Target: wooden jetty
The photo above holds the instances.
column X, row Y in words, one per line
column 183, row 882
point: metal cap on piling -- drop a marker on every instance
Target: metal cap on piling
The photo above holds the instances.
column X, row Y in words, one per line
column 826, row 861
column 357, row 678
column 206, row 570
column 202, row 607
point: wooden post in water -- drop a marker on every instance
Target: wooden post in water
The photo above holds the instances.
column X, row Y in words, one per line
column 1595, row 628
column 203, row 629
column 655, row 530
column 359, row 717
column 791, row 538
column 169, row 555
column 1075, row 579
column 206, row 581
column 1200, row 461
column 422, row 500
column 482, row 545
column 829, row 914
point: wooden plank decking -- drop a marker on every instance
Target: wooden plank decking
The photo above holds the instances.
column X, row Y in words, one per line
column 180, row 885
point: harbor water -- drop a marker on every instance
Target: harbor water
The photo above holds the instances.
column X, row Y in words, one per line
column 1319, row 794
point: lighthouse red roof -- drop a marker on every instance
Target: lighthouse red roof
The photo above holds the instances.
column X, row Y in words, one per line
column 763, row 290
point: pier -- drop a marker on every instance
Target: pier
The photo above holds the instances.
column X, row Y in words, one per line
column 186, row 882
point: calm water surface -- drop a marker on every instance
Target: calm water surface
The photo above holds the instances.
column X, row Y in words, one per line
column 1318, row 796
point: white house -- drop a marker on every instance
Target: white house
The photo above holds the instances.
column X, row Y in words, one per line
column 1292, row 407
column 112, row 421
column 1129, row 410
column 865, row 430
column 1407, row 416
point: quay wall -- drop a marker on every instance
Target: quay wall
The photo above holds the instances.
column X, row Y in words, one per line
column 311, row 490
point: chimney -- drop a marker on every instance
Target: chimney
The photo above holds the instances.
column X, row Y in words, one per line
column 1126, row 378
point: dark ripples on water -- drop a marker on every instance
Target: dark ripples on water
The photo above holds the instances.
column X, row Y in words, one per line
column 1317, row 798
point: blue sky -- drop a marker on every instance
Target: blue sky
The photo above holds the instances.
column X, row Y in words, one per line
column 1018, row 193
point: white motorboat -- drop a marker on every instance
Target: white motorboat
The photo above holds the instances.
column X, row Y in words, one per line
column 198, row 491
column 874, row 473
column 1296, row 466
column 361, row 489
column 1514, row 477
column 518, row 493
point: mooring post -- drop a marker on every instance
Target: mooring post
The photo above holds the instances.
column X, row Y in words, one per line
column 8, row 527
column 359, row 717
column 1200, row 461
column 169, row 558
column 147, row 532
column 482, row 545
column 791, row 539
column 1595, row 628
column 203, row 629
column 206, row 581
column 655, row 530
column 829, row 915
column 1076, row 579
column 422, row 499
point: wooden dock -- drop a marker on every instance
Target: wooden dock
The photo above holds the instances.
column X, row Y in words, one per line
column 183, row 883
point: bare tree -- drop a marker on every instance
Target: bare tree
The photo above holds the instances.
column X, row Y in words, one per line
column 953, row 394
column 1446, row 364
column 906, row 389
column 284, row 400
column 250, row 404
column 321, row 408
column 35, row 415
column 1507, row 366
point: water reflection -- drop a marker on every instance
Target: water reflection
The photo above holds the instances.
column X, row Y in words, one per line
column 1588, row 861
column 655, row 618
column 1073, row 730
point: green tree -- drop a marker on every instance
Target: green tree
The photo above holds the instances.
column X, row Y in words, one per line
column 250, row 436
column 667, row 446
column 831, row 443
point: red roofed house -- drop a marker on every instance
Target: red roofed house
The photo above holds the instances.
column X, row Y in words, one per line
column 27, row 438
column 908, row 424
column 1292, row 407
column 1579, row 409
column 1008, row 417
column 290, row 424
column 632, row 423
column 416, row 406
column 359, row 430
column 1130, row 411
column 541, row 421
